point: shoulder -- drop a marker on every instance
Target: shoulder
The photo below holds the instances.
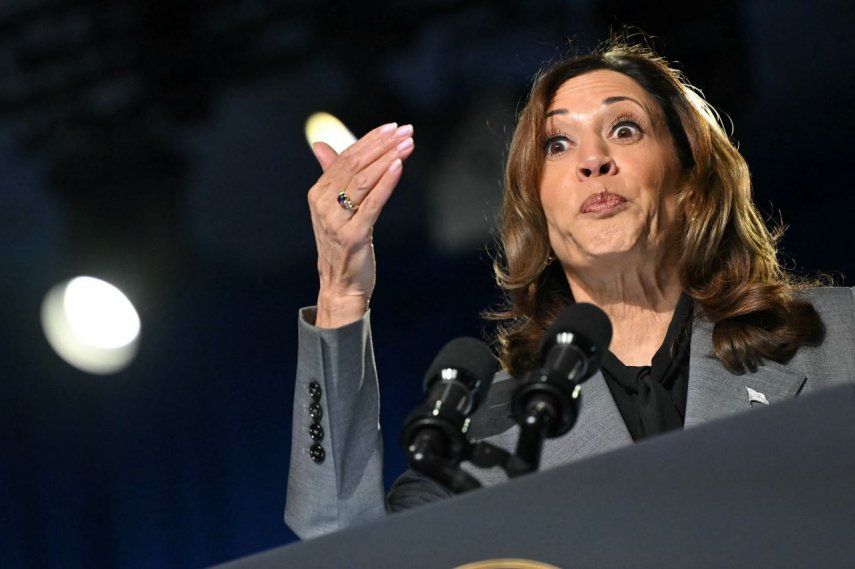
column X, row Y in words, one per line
column 834, row 358
column 835, row 305
column 831, row 297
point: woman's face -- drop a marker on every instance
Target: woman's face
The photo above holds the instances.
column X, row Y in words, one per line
column 611, row 173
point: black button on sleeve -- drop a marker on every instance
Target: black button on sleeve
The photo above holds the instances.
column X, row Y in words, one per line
column 316, row 431
column 316, row 412
column 315, row 391
column 317, row 453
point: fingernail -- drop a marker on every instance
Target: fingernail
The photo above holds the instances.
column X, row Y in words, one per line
column 395, row 166
column 405, row 145
column 405, row 130
column 387, row 128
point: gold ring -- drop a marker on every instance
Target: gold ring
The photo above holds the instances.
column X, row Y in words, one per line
column 345, row 202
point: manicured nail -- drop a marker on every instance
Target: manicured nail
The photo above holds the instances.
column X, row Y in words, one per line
column 387, row 128
column 405, row 145
column 405, row 130
column 395, row 166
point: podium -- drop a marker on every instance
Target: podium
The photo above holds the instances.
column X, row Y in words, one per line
column 770, row 488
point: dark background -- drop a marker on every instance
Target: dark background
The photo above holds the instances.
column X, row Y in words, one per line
column 161, row 146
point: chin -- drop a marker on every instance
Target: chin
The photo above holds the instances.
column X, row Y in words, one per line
column 610, row 242
column 612, row 255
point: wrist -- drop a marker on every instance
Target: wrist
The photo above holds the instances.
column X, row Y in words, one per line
column 337, row 311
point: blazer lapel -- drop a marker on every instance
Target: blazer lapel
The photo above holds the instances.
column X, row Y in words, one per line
column 599, row 428
column 714, row 392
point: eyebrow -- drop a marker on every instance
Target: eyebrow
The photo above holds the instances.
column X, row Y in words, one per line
column 606, row 101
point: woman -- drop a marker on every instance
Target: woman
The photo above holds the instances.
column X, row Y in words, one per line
column 622, row 190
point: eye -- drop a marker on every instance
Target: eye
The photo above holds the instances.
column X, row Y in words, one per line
column 556, row 144
column 626, row 128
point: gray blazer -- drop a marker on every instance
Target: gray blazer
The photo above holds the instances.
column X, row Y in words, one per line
column 346, row 488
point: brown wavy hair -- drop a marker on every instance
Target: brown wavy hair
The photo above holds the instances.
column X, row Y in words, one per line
column 728, row 262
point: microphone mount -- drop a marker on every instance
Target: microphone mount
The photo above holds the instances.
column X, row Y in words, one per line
column 545, row 405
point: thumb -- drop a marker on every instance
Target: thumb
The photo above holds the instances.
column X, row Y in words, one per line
column 325, row 154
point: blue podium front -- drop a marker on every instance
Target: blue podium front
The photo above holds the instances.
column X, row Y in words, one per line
column 771, row 488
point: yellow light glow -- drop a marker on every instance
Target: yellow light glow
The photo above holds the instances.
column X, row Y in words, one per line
column 323, row 127
column 91, row 324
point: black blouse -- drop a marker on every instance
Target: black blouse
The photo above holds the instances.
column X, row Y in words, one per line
column 652, row 399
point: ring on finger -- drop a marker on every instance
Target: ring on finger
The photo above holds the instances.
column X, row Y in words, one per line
column 345, row 202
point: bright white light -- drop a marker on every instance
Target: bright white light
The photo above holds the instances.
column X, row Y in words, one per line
column 99, row 314
column 91, row 324
column 323, row 127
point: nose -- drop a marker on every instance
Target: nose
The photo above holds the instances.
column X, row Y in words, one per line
column 596, row 165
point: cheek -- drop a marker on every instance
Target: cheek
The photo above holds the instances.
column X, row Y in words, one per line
column 559, row 214
column 662, row 202
column 558, row 195
column 657, row 185
column 551, row 198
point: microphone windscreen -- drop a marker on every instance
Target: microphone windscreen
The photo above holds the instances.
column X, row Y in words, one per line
column 468, row 355
column 585, row 320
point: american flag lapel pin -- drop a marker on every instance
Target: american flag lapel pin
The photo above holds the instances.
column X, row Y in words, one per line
column 756, row 397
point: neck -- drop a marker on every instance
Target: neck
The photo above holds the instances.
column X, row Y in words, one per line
column 639, row 301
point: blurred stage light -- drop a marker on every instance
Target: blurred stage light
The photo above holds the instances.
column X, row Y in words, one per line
column 323, row 127
column 91, row 324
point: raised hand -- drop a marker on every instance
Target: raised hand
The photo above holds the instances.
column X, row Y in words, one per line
column 367, row 172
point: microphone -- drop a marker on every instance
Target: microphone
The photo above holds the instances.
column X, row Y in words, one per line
column 546, row 404
column 460, row 375
column 456, row 383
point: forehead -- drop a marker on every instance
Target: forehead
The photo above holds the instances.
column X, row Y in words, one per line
column 588, row 91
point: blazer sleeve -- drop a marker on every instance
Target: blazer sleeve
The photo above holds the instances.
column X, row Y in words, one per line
column 335, row 480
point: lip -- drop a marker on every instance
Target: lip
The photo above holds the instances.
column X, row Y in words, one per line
column 604, row 202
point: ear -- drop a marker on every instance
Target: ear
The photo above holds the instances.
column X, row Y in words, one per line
column 325, row 154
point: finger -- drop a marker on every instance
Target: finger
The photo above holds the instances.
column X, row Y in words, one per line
column 340, row 174
column 364, row 181
column 366, row 150
column 373, row 203
column 325, row 154
column 327, row 157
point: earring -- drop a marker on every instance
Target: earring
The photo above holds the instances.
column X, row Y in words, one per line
column 549, row 259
